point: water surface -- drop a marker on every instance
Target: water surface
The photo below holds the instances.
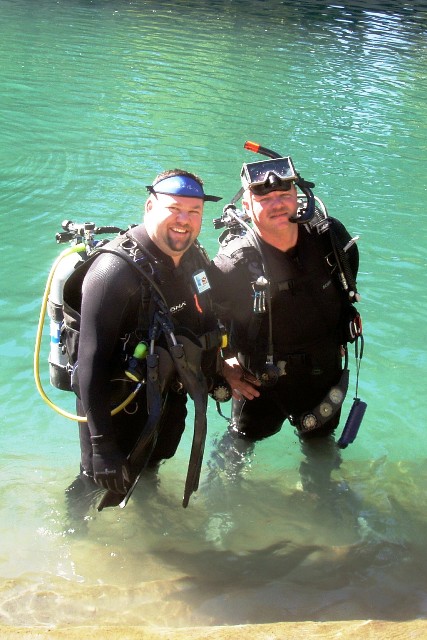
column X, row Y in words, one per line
column 97, row 97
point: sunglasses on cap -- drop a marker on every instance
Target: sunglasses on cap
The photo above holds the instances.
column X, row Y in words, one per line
column 265, row 176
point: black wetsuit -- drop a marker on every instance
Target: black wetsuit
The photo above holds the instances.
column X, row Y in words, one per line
column 307, row 310
column 111, row 311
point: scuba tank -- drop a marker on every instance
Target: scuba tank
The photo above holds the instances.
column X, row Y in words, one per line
column 81, row 237
column 83, row 244
column 58, row 358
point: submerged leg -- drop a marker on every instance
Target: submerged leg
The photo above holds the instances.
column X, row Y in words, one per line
column 321, row 458
column 230, row 455
column 80, row 497
column 251, row 420
column 171, row 428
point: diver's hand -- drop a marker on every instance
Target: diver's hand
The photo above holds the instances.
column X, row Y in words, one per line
column 110, row 469
column 242, row 382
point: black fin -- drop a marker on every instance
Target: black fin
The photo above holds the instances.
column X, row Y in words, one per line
column 188, row 357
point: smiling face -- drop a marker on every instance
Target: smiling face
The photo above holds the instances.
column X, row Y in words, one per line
column 271, row 213
column 173, row 222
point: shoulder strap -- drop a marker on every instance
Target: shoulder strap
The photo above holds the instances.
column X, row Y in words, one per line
column 139, row 265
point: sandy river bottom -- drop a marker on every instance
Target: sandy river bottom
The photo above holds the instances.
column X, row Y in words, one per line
column 367, row 629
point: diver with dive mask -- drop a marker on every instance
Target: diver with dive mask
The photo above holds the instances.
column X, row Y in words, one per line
column 287, row 276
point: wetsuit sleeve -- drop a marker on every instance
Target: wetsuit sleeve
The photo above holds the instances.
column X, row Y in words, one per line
column 110, row 290
column 232, row 296
column 231, row 289
column 221, row 275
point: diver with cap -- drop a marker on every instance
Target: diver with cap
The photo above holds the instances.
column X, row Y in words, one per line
column 277, row 285
column 122, row 313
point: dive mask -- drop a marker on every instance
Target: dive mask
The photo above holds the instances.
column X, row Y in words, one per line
column 276, row 174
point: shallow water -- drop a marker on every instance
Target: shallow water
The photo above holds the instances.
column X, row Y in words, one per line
column 97, row 97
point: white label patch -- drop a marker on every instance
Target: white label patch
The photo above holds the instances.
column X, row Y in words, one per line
column 178, row 307
column 201, row 281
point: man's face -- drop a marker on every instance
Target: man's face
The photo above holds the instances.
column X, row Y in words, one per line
column 173, row 222
column 270, row 213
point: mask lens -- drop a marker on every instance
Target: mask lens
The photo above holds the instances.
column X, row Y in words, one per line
column 258, row 172
column 268, row 187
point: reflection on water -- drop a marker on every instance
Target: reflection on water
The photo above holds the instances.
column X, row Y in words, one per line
column 97, row 97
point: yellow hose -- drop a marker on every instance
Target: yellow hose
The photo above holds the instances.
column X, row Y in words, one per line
column 39, row 335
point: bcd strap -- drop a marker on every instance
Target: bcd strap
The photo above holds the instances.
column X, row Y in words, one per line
column 123, row 252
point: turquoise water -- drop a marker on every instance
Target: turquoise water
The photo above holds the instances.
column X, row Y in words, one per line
column 96, row 98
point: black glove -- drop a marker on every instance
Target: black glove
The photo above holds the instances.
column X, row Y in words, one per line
column 110, row 468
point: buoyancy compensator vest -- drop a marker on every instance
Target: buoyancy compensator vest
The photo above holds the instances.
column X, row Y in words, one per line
column 326, row 235
column 137, row 256
column 62, row 298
